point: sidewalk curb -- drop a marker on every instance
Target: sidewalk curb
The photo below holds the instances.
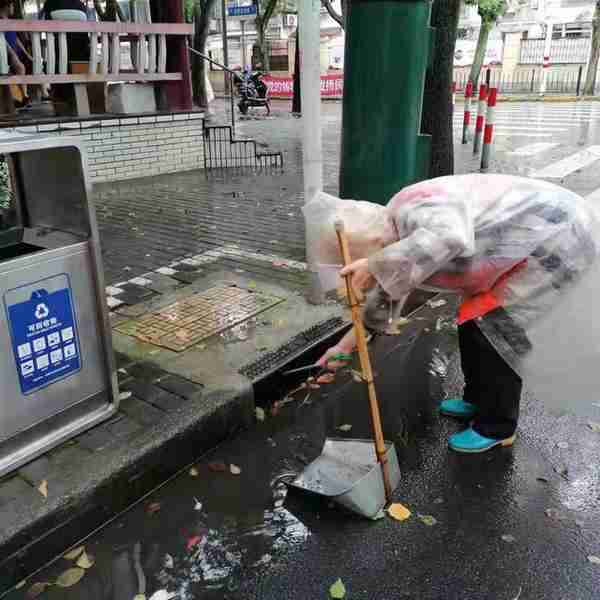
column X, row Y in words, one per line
column 36, row 534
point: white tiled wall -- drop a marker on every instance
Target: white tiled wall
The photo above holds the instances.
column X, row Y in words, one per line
column 132, row 147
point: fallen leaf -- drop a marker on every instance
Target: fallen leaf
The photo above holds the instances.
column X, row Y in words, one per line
column 428, row 520
column 252, row 285
column 73, row 554
column 595, row 560
column 139, row 597
column 20, row 584
column 152, row 508
column 235, row 470
column 217, row 467
column 43, row 488
column 198, row 504
column 193, row 541
column 169, row 563
column 70, row 577
column 509, row 539
column 37, row 588
column 163, row 595
column 260, row 413
column 124, row 396
column 345, row 428
column 595, row 427
column 326, row 378
column 398, row 512
column 85, row 561
column 542, row 479
column 438, row 501
column 562, row 445
column 337, row 590
column 194, row 472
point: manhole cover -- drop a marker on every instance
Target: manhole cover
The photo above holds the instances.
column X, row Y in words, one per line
column 187, row 322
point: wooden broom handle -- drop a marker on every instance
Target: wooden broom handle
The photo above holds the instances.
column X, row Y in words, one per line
column 365, row 362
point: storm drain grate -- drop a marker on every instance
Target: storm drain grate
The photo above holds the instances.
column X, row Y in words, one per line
column 271, row 361
column 187, row 322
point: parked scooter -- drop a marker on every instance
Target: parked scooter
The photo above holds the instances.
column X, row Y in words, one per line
column 252, row 90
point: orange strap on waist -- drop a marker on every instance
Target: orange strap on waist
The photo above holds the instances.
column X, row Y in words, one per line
column 484, row 303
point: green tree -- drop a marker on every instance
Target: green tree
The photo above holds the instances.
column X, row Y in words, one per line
column 265, row 10
column 592, row 68
column 489, row 11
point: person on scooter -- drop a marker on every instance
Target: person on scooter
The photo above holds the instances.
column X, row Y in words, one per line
column 513, row 248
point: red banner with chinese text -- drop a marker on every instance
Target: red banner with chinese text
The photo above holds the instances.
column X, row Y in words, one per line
column 332, row 86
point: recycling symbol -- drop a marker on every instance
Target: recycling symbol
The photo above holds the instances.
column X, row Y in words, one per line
column 41, row 311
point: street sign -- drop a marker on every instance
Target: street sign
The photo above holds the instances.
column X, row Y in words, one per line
column 241, row 13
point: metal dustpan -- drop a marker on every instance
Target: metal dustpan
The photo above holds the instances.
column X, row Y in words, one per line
column 348, row 472
column 359, row 474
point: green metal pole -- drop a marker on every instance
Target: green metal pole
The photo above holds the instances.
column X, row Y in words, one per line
column 389, row 46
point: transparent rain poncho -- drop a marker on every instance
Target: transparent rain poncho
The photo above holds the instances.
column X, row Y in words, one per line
column 529, row 245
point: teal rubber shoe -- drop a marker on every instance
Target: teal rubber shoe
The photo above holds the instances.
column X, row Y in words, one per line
column 471, row 442
column 455, row 407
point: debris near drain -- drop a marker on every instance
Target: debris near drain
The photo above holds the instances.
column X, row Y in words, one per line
column 337, row 591
column 437, row 303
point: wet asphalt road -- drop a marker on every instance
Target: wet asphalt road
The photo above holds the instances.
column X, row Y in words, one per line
column 252, row 540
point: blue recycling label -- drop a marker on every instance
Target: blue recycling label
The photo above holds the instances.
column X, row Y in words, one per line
column 44, row 338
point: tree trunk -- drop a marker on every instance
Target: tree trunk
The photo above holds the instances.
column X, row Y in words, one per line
column 263, row 46
column 484, row 34
column 437, row 102
column 592, row 68
column 201, row 18
column 297, row 100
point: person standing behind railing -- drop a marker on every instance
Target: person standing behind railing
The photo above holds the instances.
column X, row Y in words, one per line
column 18, row 57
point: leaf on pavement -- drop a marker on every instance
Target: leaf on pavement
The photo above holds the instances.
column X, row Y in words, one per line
column 217, row 467
column 37, row 589
column 73, row 554
column 20, row 584
column 43, row 488
column 70, row 577
column 197, row 504
column 337, row 590
column 347, row 427
column 85, row 561
column 234, row 469
column 562, row 445
column 399, row 512
column 595, row 560
column 152, row 508
column 124, row 396
column 260, row 413
column 193, row 542
column 509, row 539
column 595, row 427
column 139, row 597
column 194, row 472
column 428, row 520
column 326, row 378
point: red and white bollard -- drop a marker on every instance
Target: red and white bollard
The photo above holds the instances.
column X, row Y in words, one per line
column 480, row 118
column 490, row 119
column 467, row 117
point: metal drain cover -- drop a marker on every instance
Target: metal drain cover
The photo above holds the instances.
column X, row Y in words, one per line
column 193, row 319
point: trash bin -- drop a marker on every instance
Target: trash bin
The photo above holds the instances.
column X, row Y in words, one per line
column 57, row 373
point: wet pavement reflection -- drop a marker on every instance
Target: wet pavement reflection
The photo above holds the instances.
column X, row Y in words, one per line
column 506, row 523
